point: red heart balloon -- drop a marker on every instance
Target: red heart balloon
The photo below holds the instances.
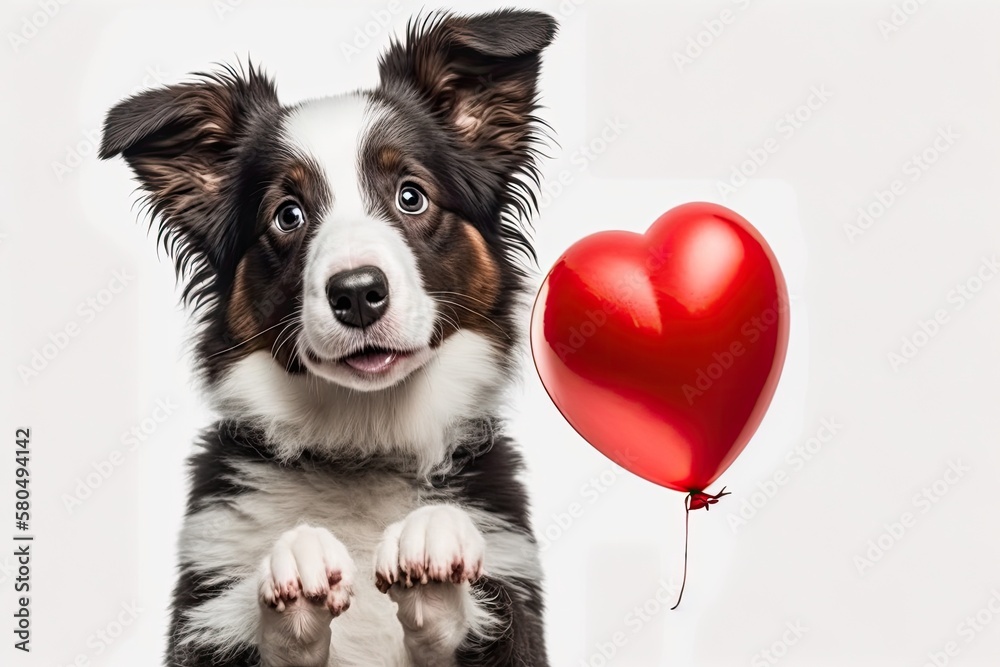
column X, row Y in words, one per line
column 663, row 349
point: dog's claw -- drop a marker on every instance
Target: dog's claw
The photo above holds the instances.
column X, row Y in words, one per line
column 434, row 544
column 307, row 563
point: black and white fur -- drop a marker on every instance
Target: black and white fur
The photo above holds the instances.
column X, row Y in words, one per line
column 357, row 503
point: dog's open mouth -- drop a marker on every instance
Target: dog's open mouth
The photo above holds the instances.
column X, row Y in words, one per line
column 374, row 360
column 378, row 365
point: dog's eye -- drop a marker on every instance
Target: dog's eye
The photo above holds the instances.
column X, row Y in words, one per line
column 411, row 200
column 289, row 217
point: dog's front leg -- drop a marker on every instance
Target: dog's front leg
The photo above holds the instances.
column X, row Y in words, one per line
column 425, row 563
column 306, row 582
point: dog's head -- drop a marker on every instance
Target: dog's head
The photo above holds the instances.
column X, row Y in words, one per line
column 349, row 238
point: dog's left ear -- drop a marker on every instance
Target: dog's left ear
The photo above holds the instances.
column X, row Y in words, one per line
column 479, row 73
column 182, row 142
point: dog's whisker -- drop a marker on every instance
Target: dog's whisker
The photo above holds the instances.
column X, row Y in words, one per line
column 295, row 325
column 260, row 333
column 274, row 352
column 480, row 315
column 459, row 294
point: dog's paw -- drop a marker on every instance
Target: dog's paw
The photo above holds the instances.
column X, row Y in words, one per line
column 307, row 567
column 436, row 543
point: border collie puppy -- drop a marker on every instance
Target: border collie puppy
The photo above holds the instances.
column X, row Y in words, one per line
column 353, row 263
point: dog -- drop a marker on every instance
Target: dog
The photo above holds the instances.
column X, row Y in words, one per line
column 356, row 267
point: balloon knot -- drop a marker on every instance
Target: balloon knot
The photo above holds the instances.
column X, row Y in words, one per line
column 699, row 499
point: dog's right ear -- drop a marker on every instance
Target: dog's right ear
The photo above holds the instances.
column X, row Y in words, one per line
column 181, row 142
column 479, row 74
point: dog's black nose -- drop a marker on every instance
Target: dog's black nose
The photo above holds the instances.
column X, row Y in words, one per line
column 359, row 297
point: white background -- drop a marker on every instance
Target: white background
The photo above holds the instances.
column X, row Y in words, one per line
column 66, row 228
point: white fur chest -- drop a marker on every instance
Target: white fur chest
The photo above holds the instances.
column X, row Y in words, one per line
column 231, row 542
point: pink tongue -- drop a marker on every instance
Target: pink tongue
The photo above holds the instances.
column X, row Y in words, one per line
column 373, row 362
